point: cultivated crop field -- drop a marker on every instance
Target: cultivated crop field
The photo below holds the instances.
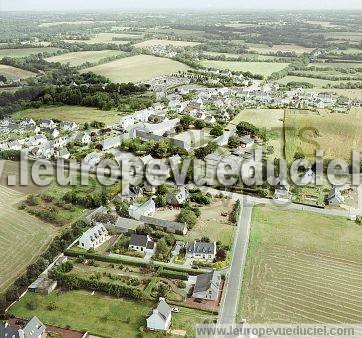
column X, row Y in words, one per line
column 77, row 114
column 22, row 52
column 12, row 73
column 261, row 68
column 336, row 133
column 79, row 58
column 318, row 83
column 22, row 237
column 271, row 119
column 157, row 42
column 137, row 68
column 302, row 268
column 107, row 38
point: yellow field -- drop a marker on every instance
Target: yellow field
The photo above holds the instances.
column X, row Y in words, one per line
column 156, row 42
column 337, row 134
column 22, row 237
column 77, row 114
column 302, row 267
column 137, row 68
column 12, row 73
column 79, row 58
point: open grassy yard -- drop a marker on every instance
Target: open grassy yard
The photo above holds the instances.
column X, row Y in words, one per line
column 157, row 42
column 77, row 114
column 102, row 315
column 302, row 267
column 137, row 68
column 22, row 52
column 336, row 133
column 271, row 119
column 79, row 58
column 22, row 237
column 12, row 73
column 261, row 68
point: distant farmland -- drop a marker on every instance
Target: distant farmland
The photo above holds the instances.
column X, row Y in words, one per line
column 157, row 42
column 79, row 58
column 22, row 52
column 108, row 38
column 137, row 68
column 12, row 73
column 261, row 68
column 77, row 114
column 302, row 267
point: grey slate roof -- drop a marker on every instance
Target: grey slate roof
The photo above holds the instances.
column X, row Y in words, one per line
column 206, row 281
column 200, row 247
column 35, row 328
column 8, row 332
column 138, row 240
column 163, row 308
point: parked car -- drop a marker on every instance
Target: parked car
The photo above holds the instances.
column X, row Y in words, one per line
column 175, row 309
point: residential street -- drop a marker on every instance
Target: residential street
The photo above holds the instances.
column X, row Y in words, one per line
column 230, row 300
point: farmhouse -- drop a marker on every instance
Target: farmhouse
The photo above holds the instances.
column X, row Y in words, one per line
column 146, row 209
column 142, row 243
column 201, row 250
column 49, row 124
column 207, row 286
column 82, row 138
column 169, row 226
column 68, row 126
column 160, row 319
column 93, row 237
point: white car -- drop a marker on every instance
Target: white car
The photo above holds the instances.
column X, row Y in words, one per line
column 175, row 309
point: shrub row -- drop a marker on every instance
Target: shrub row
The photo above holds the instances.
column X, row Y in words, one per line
column 72, row 281
column 174, row 274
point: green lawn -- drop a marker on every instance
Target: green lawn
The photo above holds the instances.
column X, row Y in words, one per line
column 137, row 68
column 77, row 114
column 260, row 68
column 302, row 267
column 79, row 58
column 101, row 315
column 22, row 52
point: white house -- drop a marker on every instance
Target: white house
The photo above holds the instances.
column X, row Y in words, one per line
column 32, row 329
column 93, row 237
column 47, row 124
column 142, row 243
column 126, row 122
column 146, row 209
column 68, row 126
column 63, row 153
column 83, row 138
column 160, row 318
column 201, row 250
column 92, row 159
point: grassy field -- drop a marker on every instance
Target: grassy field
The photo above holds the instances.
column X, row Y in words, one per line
column 108, row 38
column 318, row 83
column 350, row 93
column 12, row 73
column 137, row 68
column 22, row 237
column 262, row 68
column 157, row 42
column 337, row 134
column 260, row 48
column 271, row 119
column 102, row 315
column 77, row 114
column 79, row 58
column 302, row 268
column 22, row 52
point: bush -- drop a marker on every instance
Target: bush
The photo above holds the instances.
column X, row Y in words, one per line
column 187, row 216
column 174, row 274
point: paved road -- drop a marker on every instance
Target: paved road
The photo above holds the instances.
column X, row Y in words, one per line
column 230, row 299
